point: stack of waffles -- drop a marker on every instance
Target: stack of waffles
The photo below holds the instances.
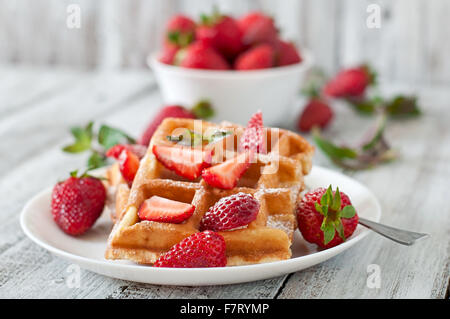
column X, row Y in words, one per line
column 274, row 178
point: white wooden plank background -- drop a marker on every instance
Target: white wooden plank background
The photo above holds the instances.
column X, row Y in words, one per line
column 38, row 106
column 412, row 44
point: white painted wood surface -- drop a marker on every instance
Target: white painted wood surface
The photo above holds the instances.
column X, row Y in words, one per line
column 412, row 44
column 38, row 106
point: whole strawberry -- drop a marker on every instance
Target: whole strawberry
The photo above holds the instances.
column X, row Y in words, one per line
column 316, row 113
column 222, row 32
column 77, row 203
column 257, row 28
column 259, row 57
column 202, row 109
column 204, row 249
column 168, row 54
column 231, row 212
column 201, row 55
column 326, row 218
column 180, row 31
column 350, row 82
column 286, row 53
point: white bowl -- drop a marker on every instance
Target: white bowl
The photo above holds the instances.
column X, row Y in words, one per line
column 235, row 95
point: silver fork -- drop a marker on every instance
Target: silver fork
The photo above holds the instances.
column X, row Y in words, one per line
column 400, row 236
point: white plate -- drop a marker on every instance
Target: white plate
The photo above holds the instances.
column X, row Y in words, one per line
column 87, row 250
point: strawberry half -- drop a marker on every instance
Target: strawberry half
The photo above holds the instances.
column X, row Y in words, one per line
column 227, row 174
column 160, row 209
column 253, row 138
column 185, row 161
column 128, row 165
column 116, row 150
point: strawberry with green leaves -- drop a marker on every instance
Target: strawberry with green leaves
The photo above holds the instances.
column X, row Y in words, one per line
column 326, row 218
column 221, row 32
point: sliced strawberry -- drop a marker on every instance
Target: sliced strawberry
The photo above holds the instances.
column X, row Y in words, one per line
column 254, row 136
column 116, row 150
column 185, row 161
column 160, row 209
column 227, row 174
column 128, row 165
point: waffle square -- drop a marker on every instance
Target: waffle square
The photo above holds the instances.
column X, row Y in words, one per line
column 274, row 178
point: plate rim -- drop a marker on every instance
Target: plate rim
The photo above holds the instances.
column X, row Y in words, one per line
column 289, row 263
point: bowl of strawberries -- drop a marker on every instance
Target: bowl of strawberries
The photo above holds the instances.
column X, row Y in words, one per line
column 240, row 65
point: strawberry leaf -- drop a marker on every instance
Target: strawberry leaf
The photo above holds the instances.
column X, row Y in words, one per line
column 108, row 137
column 203, row 110
column 348, row 211
column 340, row 229
column 336, row 205
column 328, row 231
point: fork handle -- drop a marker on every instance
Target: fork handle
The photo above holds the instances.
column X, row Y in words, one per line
column 400, row 236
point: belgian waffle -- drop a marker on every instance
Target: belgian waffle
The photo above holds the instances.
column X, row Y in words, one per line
column 274, row 178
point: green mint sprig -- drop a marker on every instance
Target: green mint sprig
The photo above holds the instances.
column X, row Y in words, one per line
column 96, row 143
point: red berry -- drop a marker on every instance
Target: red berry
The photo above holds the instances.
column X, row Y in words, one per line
column 77, row 203
column 168, row 53
column 315, row 113
column 223, row 33
column 287, row 53
column 180, row 31
column 128, row 165
column 231, row 212
column 257, row 28
column 204, row 249
column 185, row 161
column 166, row 111
column 138, row 150
column 253, row 137
column 259, row 57
column 227, row 174
column 201, row 55
column 310, row 220
column 349, row 83
column 164, row 210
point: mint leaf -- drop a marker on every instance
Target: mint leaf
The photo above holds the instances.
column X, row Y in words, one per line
column 216, row 136
column 403, row 106
column 83, row 139
column 96, row 160
column 109, row 136
column 331, row 150
column 377, row 134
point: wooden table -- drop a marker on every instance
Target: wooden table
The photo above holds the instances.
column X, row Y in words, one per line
column 38, row 106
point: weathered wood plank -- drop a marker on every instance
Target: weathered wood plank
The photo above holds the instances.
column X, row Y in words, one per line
column 23, row 87
column 412, row 191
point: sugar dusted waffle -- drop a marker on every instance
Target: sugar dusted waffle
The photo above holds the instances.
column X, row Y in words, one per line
column 275, row 179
